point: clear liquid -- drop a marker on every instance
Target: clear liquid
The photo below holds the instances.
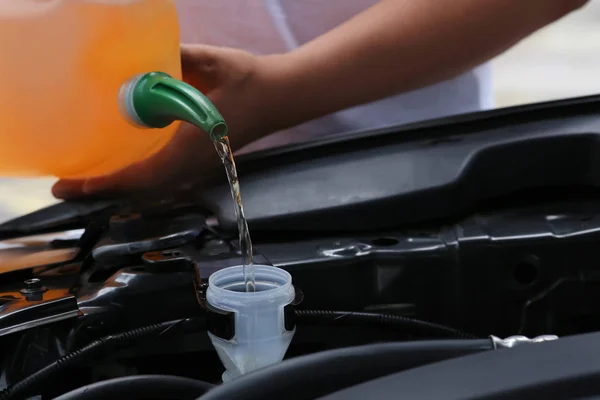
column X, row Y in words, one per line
column 224, row 150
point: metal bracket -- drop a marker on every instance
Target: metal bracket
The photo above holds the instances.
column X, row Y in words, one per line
column 167, row 260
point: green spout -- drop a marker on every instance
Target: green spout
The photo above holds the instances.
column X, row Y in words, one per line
column 156, row 100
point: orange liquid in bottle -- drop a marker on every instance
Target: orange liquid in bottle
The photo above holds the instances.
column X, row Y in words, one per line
column 62, row 64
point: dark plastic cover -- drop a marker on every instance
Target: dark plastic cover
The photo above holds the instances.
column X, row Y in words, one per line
column 415, row 173
column 567, row 368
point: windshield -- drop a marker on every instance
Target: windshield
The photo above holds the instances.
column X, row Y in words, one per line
column 557, row 62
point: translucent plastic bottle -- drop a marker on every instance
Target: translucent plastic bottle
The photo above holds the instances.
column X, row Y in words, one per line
column 261, row 338
column 69, row 72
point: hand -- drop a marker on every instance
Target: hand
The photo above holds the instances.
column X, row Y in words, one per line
column 235, row 81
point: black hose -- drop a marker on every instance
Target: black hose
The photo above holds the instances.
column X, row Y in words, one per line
column 410, row 325
column 101, row 347
column 141, row 387
column 315, row 375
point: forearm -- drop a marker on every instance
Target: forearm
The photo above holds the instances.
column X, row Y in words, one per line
column 401, row 45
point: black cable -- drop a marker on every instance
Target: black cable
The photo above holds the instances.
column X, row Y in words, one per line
column 318, row 374
column 352, row 318
column 101, row 347
column 141, row 387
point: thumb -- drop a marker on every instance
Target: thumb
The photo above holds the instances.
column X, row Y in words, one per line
column 197, row 54
column 202, row 66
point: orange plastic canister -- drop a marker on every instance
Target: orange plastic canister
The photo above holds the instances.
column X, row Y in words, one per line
column 62, row 65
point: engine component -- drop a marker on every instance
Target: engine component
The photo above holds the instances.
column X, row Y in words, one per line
column 141, row 387
column 31, row 384
column 415, row 326
column 568, row 368
column 517, row 340
column 318, row 374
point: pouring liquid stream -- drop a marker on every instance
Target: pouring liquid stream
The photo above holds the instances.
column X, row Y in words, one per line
column 224, row 151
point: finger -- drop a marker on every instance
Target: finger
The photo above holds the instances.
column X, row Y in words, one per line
column 194, row 53
column 202, row 66
column 132, row 178
column 194, row 57
column 137, row 177
column 180, row 160
column 68, row 189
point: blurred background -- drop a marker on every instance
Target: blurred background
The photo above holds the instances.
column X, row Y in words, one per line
column 562, row 60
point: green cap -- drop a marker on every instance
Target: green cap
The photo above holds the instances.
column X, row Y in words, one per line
column 156, row 100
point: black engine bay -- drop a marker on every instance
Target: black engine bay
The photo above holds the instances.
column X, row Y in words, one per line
column 416, row 252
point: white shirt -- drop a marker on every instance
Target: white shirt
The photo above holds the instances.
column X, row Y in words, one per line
column 272, row 26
